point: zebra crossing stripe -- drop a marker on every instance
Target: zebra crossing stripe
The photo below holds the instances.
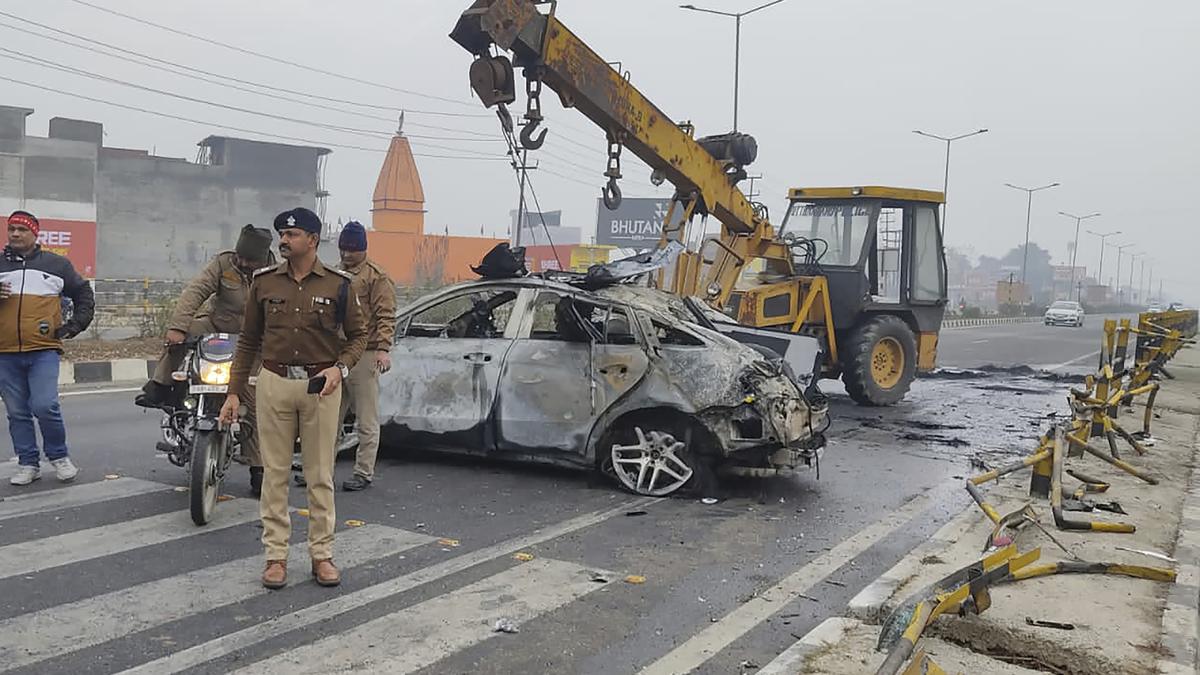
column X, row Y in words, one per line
column 73, row 547
column 77, row 494
column 252, row 635
column 425, row 633
column 55, row 631
column 8, row 468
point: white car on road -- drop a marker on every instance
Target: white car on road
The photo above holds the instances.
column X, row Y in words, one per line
column 1064, row 313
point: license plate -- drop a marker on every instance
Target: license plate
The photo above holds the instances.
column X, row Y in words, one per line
column 208, row 389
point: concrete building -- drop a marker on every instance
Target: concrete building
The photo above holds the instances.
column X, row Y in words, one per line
column 122, row 213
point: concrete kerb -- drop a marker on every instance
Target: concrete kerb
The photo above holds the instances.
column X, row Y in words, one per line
column 1181, row 616
column 973, row 323
column 98, row 372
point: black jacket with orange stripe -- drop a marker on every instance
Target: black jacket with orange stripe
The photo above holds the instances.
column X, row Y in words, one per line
column 31, row 318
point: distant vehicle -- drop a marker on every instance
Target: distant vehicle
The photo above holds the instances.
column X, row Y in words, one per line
column 1175, row 307
column 1064, row 313
column 1155, row 307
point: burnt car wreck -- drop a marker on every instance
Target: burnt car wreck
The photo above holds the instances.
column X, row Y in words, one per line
column 623, row 379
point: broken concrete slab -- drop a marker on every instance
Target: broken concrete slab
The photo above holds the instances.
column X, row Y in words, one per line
column 847, row 647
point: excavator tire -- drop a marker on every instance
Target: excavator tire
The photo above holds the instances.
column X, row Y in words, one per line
column 879, row 361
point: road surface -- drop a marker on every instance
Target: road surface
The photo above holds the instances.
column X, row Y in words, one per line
column 1054, row 348
column 108, row 574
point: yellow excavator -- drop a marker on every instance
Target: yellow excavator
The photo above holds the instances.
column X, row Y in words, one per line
column 862, row 269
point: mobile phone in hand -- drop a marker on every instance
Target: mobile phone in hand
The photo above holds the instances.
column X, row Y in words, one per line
column 316, row 384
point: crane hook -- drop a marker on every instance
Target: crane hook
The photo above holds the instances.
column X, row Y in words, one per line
column 611, row 193
column 528, row 140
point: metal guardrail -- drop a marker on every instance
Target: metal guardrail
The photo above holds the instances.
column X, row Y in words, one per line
column 992, row 321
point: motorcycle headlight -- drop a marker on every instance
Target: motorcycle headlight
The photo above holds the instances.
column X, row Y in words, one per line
column 214, row 373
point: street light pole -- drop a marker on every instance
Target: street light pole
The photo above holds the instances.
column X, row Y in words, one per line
column 1132, row 288
column 1103, row 237
column 1075, row 244
column 737, row 44
column 1028, row 217
column 946, row 180
column 1120, row 250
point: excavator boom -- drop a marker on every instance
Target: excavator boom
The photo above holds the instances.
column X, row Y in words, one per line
column 551, row 54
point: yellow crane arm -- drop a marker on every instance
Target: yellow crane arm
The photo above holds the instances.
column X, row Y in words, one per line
column 552, row 54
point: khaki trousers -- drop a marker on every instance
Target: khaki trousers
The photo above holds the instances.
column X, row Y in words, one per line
column 287, row 410
column 362, row 395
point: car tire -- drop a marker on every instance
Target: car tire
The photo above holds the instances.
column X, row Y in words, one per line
column 638, row 428
column 879, row 361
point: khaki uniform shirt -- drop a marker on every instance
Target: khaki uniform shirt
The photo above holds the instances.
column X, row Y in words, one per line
column 295, row 323
column 216, row 298
column 376, row 292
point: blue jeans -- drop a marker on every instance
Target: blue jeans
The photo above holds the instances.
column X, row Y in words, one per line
column 29, row 387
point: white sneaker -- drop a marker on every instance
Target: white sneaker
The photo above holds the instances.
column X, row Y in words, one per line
column 65, row 469
column 26, row 475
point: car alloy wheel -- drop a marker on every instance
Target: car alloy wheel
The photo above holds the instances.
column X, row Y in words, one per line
column 655, row 466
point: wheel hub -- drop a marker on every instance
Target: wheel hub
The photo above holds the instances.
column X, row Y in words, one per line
column 656, row 465
column 887, row 362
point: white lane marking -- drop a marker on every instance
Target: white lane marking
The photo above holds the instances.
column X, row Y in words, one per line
column 96, row 392
column 1064, row 364
column 63, row 629
column 980, row 342
column 73, row 547
column 233, row 642
column 424, row 634
column 704, row 645
column 77, row 494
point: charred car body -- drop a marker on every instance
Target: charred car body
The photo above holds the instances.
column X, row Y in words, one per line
column 628, row 380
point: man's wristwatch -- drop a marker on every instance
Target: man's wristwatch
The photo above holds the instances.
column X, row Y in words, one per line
column 343, row 369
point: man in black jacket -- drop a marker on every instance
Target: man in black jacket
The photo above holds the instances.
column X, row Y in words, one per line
column 32, row 285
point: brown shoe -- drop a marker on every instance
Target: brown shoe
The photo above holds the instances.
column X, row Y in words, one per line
column 275, row 575
column 326, row 573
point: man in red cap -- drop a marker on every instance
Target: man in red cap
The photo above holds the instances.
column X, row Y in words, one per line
column 32, row 285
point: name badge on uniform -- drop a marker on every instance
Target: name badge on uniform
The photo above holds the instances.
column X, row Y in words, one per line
column 322, row 301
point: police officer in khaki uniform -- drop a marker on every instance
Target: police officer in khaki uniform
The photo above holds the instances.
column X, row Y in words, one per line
column 293, row 315
column 377, row 294
column 213, row 303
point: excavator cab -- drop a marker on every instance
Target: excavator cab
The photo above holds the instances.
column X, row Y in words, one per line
column 867, row 275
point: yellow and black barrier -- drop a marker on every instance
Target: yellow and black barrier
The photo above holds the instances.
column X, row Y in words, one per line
column 965, row 591
column 1056, row 496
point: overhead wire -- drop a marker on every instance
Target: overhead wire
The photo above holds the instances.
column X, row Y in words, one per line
column 269, row 57
column 209, row 73
column 45, row 63
column 228, row 127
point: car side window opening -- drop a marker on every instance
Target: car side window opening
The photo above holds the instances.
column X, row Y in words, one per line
column 570, row 319
column 480, row 314
column 669, row 336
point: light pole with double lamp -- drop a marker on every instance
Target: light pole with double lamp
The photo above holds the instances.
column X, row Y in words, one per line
column 1120, row 251
column 1075, row 243
column 946, row 181
column 737, row 44
column 1028, row 216
column 1103, row 236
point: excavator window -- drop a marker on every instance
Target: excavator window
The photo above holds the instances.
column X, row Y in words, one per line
column 841, row 229
column 928, row 271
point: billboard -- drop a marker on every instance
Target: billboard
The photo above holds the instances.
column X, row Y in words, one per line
column 637, row 223
column 75, row 240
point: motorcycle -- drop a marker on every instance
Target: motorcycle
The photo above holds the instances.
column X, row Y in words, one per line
column 192, row 435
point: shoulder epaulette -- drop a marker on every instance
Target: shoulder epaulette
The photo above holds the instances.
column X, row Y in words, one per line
column 268, row 268
column 342, row 273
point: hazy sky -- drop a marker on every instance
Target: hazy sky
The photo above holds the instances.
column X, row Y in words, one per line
column 1100, row 96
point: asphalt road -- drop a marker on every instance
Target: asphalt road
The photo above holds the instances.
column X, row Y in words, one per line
column 109, row 574
column 1054, row 348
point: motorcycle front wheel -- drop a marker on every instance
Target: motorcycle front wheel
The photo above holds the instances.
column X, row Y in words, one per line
column 205, row 486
